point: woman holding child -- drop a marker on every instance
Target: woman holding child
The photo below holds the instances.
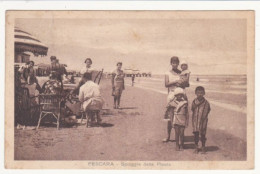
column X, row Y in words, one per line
column 177, row 105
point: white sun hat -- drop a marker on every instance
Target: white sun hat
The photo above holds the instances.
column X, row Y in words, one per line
column 178, row 91
column 184, row 62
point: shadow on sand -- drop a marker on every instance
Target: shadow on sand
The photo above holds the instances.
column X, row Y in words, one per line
column 128, row 108
column 106, row 125
column 208, row 148
column 189, row 138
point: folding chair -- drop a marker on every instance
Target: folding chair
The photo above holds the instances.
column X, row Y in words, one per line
column 91, row 115
column 50, row 105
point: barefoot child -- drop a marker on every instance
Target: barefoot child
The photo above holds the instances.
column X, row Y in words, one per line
column 200, row 108
column 180, row 119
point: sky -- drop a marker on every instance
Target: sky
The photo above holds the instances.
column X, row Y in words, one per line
column 209, row 46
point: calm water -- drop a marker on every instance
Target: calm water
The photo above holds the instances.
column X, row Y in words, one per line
column 229, row 89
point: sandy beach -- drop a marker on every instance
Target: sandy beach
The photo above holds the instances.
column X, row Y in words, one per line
column 135, row 131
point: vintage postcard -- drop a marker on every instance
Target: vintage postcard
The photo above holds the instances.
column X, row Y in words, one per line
column 129, row 90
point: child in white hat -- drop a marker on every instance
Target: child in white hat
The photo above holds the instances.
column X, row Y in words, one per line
column 179, row 117
column 185, row 75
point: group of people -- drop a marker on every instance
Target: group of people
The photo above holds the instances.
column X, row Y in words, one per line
column 177, row 107
column 177, row 102
column 86, row 90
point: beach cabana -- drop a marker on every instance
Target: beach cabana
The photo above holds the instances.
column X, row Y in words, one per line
column 25, row 42
column 128, row 72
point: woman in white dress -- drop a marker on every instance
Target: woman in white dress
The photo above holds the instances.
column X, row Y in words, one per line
column 172, row 81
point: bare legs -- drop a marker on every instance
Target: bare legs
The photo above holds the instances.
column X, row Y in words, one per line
column 169, row 114
column 115, row 99
column 179, row 137
column 117, row 102
column 203, row 142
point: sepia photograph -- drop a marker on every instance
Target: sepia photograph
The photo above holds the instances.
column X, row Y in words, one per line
column 130, row 89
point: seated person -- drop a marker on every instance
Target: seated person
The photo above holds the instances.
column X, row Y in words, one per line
column 52, row 86
column 89, row 95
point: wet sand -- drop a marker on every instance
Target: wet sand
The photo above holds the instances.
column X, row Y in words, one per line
column 134, row 132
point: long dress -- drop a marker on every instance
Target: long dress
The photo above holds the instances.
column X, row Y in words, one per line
column 118, row 82
column 200, row 111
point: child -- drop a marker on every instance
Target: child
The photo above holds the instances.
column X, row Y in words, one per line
column 200, row 108
column 180, row 117
column 185, row 75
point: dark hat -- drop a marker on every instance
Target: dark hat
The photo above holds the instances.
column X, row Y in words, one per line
column 31, row 62
column 119, row 63
column 53, row 58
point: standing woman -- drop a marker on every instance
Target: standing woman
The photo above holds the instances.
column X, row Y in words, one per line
column 172, row 81
column 87, row 68
column 118, row 84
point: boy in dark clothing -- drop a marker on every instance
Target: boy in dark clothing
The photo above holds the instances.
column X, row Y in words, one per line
column 200, row 110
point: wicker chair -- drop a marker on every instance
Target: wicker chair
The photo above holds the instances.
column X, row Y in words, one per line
column 50, row 105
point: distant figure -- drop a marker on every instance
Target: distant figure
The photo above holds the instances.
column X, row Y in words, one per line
column 198, row 79
column 200, row 110
column 72, row 79
column 118, row 84
column 179, row 117
column 133, row 79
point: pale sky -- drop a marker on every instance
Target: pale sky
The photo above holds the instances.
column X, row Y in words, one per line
column 210, row 46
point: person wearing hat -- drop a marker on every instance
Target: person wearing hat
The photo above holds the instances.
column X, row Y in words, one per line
column 185, row 75
column 57, row 68
column 118, row 84
column 179, row 117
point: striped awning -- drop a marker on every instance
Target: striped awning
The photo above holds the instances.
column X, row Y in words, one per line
column 24, row 41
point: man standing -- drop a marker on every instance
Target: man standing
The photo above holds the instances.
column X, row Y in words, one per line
column 57, row 68
column 133, row 79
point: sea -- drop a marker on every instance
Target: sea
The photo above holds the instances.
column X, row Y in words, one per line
column 228, row 91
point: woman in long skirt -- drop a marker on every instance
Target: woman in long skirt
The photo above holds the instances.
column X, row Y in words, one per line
column 118, row 85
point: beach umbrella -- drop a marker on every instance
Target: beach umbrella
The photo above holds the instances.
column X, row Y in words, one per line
column 24, row 42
